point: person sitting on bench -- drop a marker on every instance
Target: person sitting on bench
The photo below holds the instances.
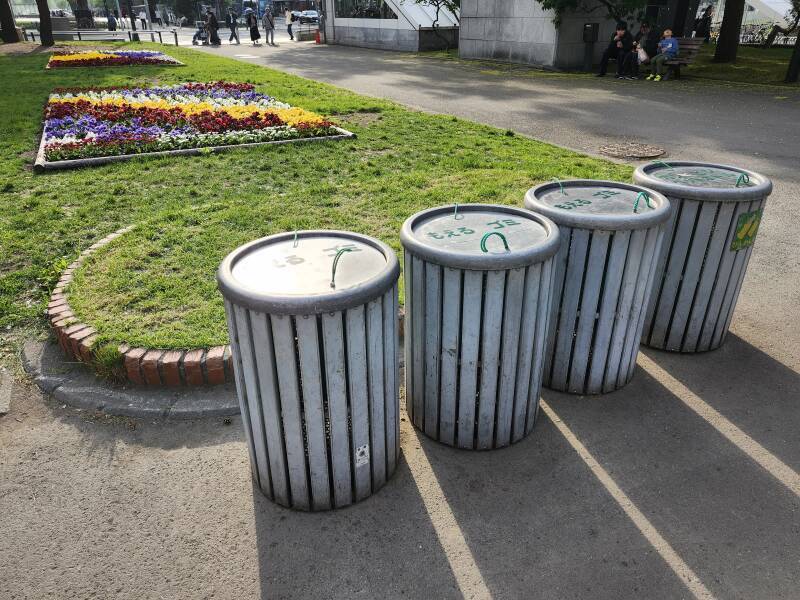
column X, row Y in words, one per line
column 645, row 46
column 620, row 44
column 667, row 50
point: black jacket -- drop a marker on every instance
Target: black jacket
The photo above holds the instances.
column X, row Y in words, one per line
column 231, row 20
column 649, row 41
column 627, row 41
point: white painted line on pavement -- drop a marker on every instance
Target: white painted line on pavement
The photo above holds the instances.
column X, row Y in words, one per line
column 771, row 463
column 675, row 562
column 462, row 562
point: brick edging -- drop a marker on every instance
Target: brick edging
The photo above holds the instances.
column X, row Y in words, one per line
column 142, row 366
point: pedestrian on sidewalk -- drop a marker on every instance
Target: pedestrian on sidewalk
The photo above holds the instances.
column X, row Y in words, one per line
column 289, row 18
column 252, row 23
column 212, row 26
column 232, row 21
column 269, row 27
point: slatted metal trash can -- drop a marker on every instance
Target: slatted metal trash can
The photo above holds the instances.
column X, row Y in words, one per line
column 477, row 288
column 717, row 211
column 312, row 318
column 603, row 274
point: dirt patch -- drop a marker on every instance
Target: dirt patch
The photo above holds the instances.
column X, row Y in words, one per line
column 362, row 119
column 631, row 149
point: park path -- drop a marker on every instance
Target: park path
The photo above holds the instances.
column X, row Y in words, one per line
column 684, row 483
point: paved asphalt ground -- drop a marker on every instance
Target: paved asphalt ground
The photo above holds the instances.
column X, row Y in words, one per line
column 685, row 483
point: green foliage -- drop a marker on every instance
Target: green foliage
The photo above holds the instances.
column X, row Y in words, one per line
column 108, row 362
column 619, row 10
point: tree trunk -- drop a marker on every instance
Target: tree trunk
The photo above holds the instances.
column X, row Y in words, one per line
column 7, row 23
column 794, row 64
column 45, row 25
column 679, row 23
column 728, row 42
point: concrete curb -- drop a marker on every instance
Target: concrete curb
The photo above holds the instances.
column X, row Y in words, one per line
column 73, row 384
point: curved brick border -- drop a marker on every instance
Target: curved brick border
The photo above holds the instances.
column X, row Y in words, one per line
column 143, row 366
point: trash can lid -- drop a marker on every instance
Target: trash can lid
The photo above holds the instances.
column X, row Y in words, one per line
column 703, row 181
column 482, row 237
column 308, row 272
column 596, row 204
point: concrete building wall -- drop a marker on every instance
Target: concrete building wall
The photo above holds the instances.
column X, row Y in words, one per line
column 513, row 30
column 570, row 46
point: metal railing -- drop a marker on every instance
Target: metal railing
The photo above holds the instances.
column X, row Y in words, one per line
column 94, row 34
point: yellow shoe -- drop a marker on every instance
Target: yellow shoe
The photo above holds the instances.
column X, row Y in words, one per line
column 650, row 77
column 657, row 78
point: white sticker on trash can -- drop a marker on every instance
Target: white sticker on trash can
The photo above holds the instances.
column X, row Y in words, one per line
column 362, row 455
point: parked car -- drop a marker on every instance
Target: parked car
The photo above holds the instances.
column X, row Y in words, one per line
column 309, row 16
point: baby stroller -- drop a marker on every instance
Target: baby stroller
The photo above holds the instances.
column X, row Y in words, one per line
column 200, row 37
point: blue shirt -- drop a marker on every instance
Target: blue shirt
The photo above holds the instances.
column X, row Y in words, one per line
column 669, row 46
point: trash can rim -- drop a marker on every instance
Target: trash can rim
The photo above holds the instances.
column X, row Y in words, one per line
column 335, row 300
column 489, row 262
column 640, row 220
column 762, row 189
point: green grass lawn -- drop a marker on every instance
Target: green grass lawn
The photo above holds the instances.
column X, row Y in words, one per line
column 155, row 286
column 753, row 65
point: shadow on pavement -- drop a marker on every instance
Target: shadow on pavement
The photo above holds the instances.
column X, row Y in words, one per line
column 721, row 512
column 751, row 389
column 382, row 547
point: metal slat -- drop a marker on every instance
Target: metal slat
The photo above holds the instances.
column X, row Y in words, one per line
column 377, row 416
column 451, row 299
column 587, row 318
column 491, row 333
column 559, row 275
column 470, row 339
column 270, row 404
column 408, row 335
column 691, row 275
column 527, row 341
column 391, row 398
column 314, row 414
column 359, row 399
column 432, row 352
column 546, row 298
column 418, row 357
column 721, row 283
column 652, row 246
column 624, row 308
column 569, row 309
column 608, row 309
column 240, row 388
column 661, row 265
column 709, row 275
column 509, row 354
column 250, row 379
column 283, row 338
column 674, row 272
column 335, row 378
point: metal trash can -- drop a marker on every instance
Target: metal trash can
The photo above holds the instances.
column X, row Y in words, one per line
column 611, row 234
column 709, row 239
column 312, row 318
column 477, row 285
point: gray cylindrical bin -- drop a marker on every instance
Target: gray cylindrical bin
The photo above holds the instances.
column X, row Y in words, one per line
column 603, row 276
column 315, row 363
column 709, row 239
column 476, row 321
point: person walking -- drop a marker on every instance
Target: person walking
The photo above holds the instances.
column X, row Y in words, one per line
column 252, row 23
column 232, row 21
column 112, row 21
column 289, row 18
column 620, row 44
column 212, row 26
column 269, row 26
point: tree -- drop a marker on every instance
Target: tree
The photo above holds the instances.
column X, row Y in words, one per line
column 794, row 64
column 619, row 10
column 7, row 23
column 728, row 41
column 45, row 24
column 452, row 5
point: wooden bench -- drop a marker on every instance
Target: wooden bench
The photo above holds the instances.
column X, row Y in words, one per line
column 688, row 48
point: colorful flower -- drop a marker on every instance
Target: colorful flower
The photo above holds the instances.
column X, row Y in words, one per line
column 103, row 58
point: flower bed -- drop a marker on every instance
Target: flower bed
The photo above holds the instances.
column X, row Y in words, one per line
column 96, row 125
column 109, row 58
